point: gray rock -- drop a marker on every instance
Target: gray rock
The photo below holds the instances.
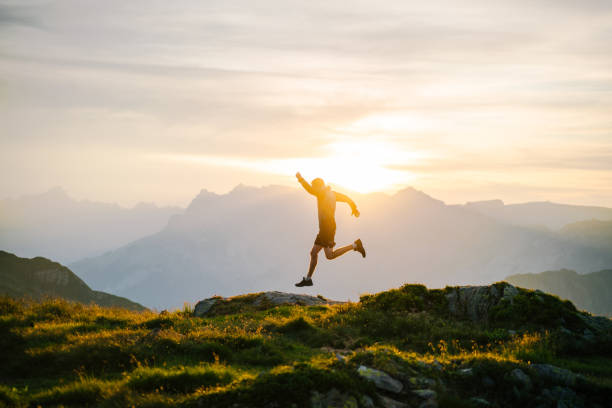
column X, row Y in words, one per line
column 555, row 374
column 262, row 300
column 425, row 394
column 391, row 403
column 475, row 302
column 203, row 306
column 381, row 379
column 420, row 382
column 521, row 379
column 281, row 298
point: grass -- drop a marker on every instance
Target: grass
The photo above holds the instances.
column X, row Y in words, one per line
column 57, row 353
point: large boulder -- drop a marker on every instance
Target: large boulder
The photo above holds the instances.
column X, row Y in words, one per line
column 256, row 301
column 475, row 302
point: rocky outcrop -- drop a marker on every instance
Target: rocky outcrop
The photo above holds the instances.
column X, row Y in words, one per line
column 475, row 302
column 256, row 301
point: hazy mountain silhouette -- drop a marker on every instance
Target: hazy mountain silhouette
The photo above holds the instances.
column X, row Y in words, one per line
column 592, row 232
column 258, row 239
column 39, row 277
column 590, row 292
column 539, row 214
column 58, row 227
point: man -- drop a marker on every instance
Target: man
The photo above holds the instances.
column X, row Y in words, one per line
column 326, row 204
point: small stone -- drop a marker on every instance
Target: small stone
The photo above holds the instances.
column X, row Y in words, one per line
column 465, row 372
column 381, row 379
column 425, row 394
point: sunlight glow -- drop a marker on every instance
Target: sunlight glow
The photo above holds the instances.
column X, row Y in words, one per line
column 364, row 166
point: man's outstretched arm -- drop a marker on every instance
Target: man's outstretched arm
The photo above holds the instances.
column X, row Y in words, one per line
column 304, row 183
column 345, row 199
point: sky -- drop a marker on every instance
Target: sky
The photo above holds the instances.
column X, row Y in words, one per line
column 154, row 100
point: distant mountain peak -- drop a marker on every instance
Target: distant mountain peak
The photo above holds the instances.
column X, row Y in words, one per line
column 413, row 195
column 55, row 193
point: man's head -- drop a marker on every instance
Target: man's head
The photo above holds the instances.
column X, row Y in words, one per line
column 318, row 184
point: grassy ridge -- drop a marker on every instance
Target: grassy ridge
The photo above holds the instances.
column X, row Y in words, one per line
column 55, row 353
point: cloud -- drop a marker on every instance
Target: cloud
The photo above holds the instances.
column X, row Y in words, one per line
column 480, row 80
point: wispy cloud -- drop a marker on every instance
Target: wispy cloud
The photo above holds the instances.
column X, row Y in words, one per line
column 480, row 89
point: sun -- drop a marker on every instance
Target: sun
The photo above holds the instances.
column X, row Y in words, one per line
column 362, row 166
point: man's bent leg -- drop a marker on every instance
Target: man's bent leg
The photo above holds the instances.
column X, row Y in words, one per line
column 314, row 256
column 331, row 254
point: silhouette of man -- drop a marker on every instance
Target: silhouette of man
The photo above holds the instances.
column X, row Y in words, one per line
column 326, row 204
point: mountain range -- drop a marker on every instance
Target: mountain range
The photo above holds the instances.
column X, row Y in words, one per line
column 539, row 214
column 258, row 239
column 590, row 292
column 40, row 278
column 594, row 233
column 58, row 227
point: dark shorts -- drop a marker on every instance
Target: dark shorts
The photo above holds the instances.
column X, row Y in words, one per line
column 325, row 237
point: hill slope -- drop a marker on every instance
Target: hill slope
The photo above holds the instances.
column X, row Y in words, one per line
column 590, row 292
column 539, row 214
column 495, row 345
column 56, row 226
column 39, row 277
column 258, row 239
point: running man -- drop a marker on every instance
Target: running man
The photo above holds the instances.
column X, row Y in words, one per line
column 326, row 204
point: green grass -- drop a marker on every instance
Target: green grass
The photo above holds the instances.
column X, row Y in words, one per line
column 57, row 353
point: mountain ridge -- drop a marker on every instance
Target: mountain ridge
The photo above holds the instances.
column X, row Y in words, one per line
column 259, row 239
column 39, row 277
column 55, row 225
column 590, row 292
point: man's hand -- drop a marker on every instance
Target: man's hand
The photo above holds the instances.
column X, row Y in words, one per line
column 355, row 212
column 299, row 176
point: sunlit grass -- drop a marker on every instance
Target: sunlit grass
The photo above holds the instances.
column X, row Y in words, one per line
column 60, row 353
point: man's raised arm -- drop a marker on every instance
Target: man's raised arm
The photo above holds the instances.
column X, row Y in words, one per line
column 345, row 199
column 304, row 183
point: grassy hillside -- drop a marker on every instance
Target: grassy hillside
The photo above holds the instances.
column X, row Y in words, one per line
column 449, row 348
column 590, row 291
column 39, row 277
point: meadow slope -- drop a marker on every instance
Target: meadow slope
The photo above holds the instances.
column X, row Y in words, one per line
column 493, row 346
